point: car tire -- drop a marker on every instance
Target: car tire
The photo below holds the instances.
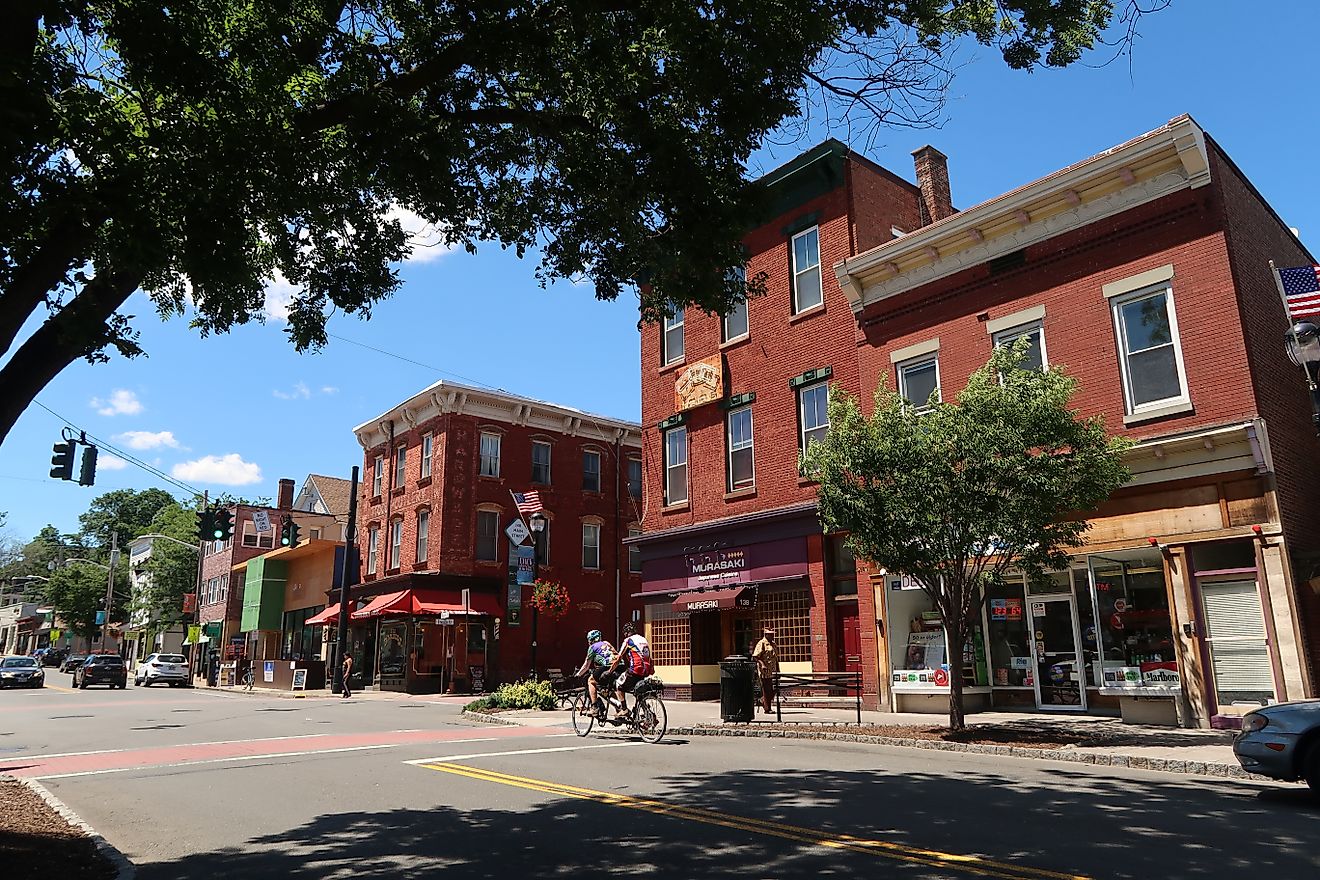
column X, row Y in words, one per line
column 1311, row 767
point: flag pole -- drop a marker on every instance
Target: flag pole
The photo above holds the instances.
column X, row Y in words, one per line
column 1283, row 297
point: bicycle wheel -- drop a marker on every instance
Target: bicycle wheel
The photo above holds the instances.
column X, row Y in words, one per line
column 582, row 722
column 652, row 719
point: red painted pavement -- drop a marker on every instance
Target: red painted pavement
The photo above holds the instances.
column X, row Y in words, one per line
column 167, row 756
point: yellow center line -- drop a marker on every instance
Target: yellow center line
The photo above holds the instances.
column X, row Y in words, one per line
column 885, row 849
column 62, row 690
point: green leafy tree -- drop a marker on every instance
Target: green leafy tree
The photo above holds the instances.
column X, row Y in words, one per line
column 125, row 511
column 172, row 569
column 198, row 150
column 960, row 494
column 77, row 590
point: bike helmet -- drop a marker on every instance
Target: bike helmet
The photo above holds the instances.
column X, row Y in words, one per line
column 594, row 636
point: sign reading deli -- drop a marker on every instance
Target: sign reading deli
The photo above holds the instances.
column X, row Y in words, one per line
column 717, row 566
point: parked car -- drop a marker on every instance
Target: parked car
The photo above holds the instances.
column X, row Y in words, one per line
column 21, row 672
column 1282, row 742
column 169, row 668
column 101, row 669
column 72, row 662
column 53, row 657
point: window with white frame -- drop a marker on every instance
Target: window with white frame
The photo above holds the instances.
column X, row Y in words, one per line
column 918, row 379
column 490, row 454
column 590, row 471
column 1150, row 355
column 1034, row 334
column 540, row 462
column 423, row 533
column 634, row 552
column 427, row 440
column 373, row 548
column 590, row 545
column 741, row 466
column 676, row 465
column 488, row 535
column 635, row 479
column 400, row 465
column 377, row 474
column 396, row 542
column 807, row 290
column 734, row 324
column 813, row 413
column 253, row 538
column 671, row 339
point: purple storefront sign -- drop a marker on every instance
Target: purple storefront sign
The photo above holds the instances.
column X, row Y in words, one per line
column 715, row 566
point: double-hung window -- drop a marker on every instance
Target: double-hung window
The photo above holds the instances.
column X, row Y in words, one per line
column 590, row 471
column 1150, row 356
column 919, row 380
column 427, row 441
column 540, row 462
column 373, row 548
column 423, row 534
column 490, row 455
column 590, row 545
column 734, row 324
column 488, row 535
column 807, row 292
column 400, row 465
column 634, row 553
column 635, row 479
column 1034, row 357
column 813, row 413
column 377, row 475
column 396, row 542
column 676, row 465
column 741, row 465
column 671, row 339
column 253, row 538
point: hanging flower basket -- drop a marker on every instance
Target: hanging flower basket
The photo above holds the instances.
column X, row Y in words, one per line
column 550, row 597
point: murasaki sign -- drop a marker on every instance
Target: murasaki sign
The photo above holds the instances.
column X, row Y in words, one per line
column 716, row 566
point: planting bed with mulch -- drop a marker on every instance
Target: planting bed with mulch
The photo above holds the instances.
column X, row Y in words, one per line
column 979, row 735
column 36, row 841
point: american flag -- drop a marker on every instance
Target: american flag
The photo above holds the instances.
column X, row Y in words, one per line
column 528, row 502
column 1301, row 287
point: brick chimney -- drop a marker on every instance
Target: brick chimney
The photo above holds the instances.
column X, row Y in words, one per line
column 933, row 178
column 286, row 495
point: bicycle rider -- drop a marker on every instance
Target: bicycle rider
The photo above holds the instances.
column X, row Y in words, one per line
column 599, row 661
column 636, row 653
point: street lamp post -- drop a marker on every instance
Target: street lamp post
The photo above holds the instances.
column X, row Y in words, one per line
column 196, row 653
column 536, row 522
column 1302, row 342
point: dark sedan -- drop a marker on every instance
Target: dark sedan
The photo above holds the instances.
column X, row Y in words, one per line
column 101, row 669
column 23, row 672
column 72, row 662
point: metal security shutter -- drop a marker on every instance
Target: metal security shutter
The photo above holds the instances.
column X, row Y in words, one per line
column 1239, row 654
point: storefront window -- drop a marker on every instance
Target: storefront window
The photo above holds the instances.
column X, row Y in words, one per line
column 302, row 642
column 843, row 568
column 788, row 613
column 919, row 653
column 670, row 637
column 1133, row 622
column 1010, row 651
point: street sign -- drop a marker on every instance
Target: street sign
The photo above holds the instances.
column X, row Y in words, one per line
column 261, row 521
column 517, row 531
column 526, row 564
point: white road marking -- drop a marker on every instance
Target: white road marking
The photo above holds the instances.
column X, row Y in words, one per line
column 364, row 748
column 218, row 742
column 523, row 752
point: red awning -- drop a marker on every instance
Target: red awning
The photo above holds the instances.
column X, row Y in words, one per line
column 325, row 618
column 716, row 600
column 428, row 603
column 387, row 603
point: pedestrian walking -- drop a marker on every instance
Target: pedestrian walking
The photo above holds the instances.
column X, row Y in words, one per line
column 347, row 674
column 766, row 656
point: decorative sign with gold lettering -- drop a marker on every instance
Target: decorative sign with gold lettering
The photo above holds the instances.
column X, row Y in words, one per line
column 702, row 382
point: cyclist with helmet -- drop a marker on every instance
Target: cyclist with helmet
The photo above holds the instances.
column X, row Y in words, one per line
column 599, row 660
column 635, row 657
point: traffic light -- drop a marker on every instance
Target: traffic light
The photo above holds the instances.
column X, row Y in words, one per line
column 224, row 525
column 87, row 473
column 62, row 460
column 288, row 532
column 206, row 524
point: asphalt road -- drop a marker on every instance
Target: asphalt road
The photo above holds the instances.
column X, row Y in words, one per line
column 190, row 784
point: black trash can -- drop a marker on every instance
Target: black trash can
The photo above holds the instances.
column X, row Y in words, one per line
column 737, row 700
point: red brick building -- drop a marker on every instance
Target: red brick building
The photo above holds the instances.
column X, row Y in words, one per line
column 1144, row 271
column 434, row 505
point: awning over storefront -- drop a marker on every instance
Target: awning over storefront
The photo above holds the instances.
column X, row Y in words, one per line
column 328, row 616
column 716, row 600
column 417, row 603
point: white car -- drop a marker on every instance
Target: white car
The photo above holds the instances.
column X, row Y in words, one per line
column 169, row 668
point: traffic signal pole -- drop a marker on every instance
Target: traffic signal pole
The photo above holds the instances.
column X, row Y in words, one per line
column 110, row 589
column 348, row 577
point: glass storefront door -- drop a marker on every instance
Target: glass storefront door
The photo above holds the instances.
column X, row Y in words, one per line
column 1058, row 655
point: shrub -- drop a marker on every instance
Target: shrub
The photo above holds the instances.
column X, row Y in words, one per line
column 525, row 694
column 482, row 704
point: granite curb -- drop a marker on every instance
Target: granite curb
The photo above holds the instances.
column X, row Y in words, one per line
column 124, row 869
column 483, row 718
column 1134, row 762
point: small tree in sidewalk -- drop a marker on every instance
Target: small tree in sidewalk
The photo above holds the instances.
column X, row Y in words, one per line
column 959, row 494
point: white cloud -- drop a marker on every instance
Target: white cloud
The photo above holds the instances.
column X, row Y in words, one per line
column 279, row 296
column 329, row 389
column 107, row 462
column 148, row 439
column 120, row 402
column 300, row 392
column 224, row 470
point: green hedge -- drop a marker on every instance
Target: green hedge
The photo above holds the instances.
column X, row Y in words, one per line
column 526, row 694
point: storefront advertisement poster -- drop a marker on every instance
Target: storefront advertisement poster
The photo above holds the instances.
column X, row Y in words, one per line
column 925, row 650
column 1160, row 674
column 1020, row 662
column 1122, row 676
column 1014, row 607
column 999, row 609
column 268, row 671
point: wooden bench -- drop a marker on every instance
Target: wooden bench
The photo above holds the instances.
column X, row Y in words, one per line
column 817, row 689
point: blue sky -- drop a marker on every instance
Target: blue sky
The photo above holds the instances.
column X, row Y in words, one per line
column 238, row 412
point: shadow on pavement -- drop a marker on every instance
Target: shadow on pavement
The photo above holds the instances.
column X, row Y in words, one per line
column 1139, row 827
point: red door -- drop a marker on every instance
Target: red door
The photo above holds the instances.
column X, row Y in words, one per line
column 850, row 638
